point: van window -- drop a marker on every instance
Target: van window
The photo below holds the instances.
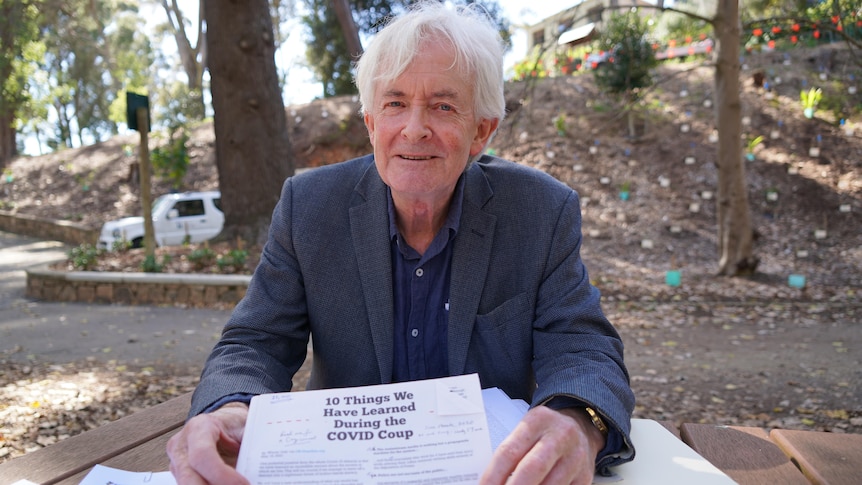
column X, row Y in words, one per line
column 188, row 208
column 217, row 203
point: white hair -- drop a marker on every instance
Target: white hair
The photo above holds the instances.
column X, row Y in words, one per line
column 478, row 52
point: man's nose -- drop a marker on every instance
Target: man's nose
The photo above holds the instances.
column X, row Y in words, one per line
column 416, row 125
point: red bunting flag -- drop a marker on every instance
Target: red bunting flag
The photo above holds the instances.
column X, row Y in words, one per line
column 794, row 39
column 771, row 44
column 795, row 27
column 816, row 34
column 757, row 32
column 836, row 19
column 776, row 30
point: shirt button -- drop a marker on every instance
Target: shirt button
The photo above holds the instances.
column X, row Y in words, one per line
column 419, row 272
column 415, row 333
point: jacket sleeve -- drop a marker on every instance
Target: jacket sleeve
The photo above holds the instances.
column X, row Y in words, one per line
column 578, row 354
column 265, row 340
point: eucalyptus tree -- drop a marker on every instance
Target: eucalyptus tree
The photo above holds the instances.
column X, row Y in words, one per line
column 93, row 53
column 331, row 40
column 252, row 149
column 188, row 30
column 19, row 48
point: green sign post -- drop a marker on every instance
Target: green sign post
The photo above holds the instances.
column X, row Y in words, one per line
column 138, row 118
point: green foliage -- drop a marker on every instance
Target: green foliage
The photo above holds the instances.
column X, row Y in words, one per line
column 150, row 265
column 121, row 246
column 326, row 51
column 84, row 257
column 19, row 47
column 233, row 260
column 172, row 160
column 753, row 142
column 839, row 104
column 626, row 36
column 181, row 107
column 202, row 257
column 560, row 124
column 531, row 67
column 811, row 98
column 682, row 27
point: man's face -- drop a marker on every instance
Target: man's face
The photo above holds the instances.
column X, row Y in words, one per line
column 423, row 127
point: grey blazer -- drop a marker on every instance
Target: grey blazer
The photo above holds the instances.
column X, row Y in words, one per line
column 523, row 314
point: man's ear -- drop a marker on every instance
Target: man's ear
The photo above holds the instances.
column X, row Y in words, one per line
column 484, row 131
column 369, row 125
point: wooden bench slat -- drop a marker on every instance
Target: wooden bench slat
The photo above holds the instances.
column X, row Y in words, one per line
column 825, row 458
column 81, row 452
column 147, row 457
column 745, row 454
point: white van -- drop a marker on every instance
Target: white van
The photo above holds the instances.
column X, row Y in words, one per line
column 191, row 217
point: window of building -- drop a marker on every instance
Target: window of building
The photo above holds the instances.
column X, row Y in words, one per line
column 539, row 37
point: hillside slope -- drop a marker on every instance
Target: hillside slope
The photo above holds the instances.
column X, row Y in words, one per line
column 795, row 197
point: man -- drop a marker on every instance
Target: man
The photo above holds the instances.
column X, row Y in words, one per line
column 419, row 262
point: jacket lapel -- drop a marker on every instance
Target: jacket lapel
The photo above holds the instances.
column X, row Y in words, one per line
column 470, row 257
column 369, row 226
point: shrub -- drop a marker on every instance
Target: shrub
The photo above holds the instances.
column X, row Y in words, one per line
column 150, row 265
column 202, row 257
column 84, row 257
column 234, row 260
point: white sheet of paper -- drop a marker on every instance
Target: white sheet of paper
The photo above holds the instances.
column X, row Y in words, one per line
column 433, row 430
column 503, row 414
column 101, row 475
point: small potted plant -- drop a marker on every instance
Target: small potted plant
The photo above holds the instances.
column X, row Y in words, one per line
column 625, row 188
column 752, row 144
column 560, row 124
column 810, row 99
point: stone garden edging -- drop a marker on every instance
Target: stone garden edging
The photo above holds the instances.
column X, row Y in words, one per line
column 186, row 290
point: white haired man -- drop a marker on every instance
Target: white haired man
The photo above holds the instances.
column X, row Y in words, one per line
column 426, row 259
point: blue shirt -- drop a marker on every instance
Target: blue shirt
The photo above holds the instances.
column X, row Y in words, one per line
column 421, row 298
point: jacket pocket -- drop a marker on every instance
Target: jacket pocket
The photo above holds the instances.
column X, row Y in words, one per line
column 507, row 330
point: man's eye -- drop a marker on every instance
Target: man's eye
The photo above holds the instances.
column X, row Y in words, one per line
column 445, row 107
column 394, row 104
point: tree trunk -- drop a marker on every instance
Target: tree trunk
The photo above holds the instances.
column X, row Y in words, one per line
column 188, row 54
column 735, row 236
column 8, row 147
column 348, row 27
column 253, row 153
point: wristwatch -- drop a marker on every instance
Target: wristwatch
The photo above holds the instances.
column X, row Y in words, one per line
column 597, row 421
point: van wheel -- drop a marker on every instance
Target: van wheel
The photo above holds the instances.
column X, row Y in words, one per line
column 137, row 243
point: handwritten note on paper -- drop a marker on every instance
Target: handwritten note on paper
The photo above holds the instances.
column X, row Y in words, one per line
column 100, row 475
column 433, row 430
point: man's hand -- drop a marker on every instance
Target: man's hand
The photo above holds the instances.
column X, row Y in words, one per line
column 549, row 447
column 206, row 449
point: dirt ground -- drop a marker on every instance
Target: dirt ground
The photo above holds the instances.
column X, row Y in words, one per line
column 752, row 351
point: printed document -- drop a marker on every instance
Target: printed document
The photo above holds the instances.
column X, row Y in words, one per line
column 430, row 431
